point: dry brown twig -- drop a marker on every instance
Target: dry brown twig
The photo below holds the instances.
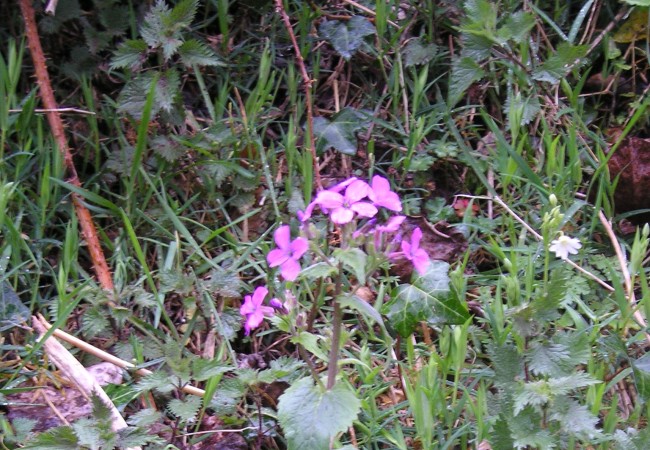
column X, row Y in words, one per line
column 88, row 229
column 308, row 83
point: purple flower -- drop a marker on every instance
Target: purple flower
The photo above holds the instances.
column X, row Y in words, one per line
column 288, row 253
column 253, row 309
column 381, row 195
column 392, row 225
column 343, row 207
column 415, row 254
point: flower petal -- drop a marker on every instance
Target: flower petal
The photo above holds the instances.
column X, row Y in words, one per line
column 329, row 200
column 357, row 190
column 290, row 269
column 259, row 294
column 298, row 247
column 364, row 209
column 341, row 216
column 276, row 257
column 416, row 237
column 282, row 237
column 247, row 307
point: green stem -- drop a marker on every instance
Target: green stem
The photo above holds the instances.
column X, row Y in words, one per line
column 337, row 320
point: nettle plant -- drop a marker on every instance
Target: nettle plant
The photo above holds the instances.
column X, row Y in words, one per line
column 346, row 250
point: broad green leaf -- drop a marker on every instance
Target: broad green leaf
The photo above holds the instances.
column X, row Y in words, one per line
column 416, row 53
column 159, row 381
column 310, row 342
column 131, row 54
column 516, row 27
column 549, row 359
column 464, row 72
column 183, row 13
column 311, row 416
column 145, row 417
column 637, row 2
column 574, row 418
column 556, row 66
column 185, row 409
column 203, row 369
column 318, row 270
column 340, row 132
column 346, row 37
column 641, row 370
column 354, row 259
column 193, row 52
column 12, row 310
column 59, row 438
column 427, row 299
column 507, row 363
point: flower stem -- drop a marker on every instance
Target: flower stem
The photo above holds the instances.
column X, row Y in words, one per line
column 337, row 321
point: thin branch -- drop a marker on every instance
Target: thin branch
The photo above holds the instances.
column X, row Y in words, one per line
column 308, row 83
column 47, row 95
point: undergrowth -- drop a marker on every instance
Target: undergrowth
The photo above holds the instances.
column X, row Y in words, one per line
column 453, row 271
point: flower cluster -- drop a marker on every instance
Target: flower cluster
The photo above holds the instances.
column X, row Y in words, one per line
column 344, row 203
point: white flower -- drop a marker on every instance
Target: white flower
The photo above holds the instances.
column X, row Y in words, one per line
column 565, row 245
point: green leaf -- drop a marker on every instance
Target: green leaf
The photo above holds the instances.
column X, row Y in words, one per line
column 318, row 270
column 637, row 2
column 133, row 97
column 203, row 369
column 464, row 72
column 131, row 54
column 194, row 52
column 415, row 53
column 346, row 37
column 365, row 308
column 185, row 409
column 641, row 371
column 159, row 381
column 311, row 416
column 563, row 59
column 12, row 310
column 574, row 418
column 517, row 27
column 427, row 299
column 354, row 259
column 508, row 364
column 145, row 417
column 340, row 132
column 310, row 342
column 60, row 438
column 549, row 359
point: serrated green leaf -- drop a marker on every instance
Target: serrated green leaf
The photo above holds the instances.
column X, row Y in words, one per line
column 311, row 416
column 354, row 259
column 183, row 13
column 464, row 72
column 94, row 321
column 340, row 132
column 637, row 2
column 145, row 417
column 549, row 359
column 193, row 52
column 508, row 364
column 574, row 418
column 285, row 368
column 59, row 438
column 135, row 437
column 557, row 65
column 415, row 53
column 203, row 369
column 12, row 310
column 131, row 54
column 185, row 409
column 159, row 381
column 517, row 27
column 153, row 27
column 346, row 37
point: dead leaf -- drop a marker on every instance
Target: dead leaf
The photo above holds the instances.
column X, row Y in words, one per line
column 631, row 164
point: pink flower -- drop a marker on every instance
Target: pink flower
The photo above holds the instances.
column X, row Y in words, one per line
column 392, row 225
column 381, row 195
column 343, row 207
column 415, row 254
column 253, row 309
column 288, row 253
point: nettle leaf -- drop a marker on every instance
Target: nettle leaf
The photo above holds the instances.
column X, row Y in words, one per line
column 416, row 53
column 428, row 298
column 557, row 65
column 311, row 415
column 517, row 27
column 465, row 71
column 183, row 13
column 285, row 368
column 574, row 418
column 145, row 417
column 12, row 310
column 223, row 282
column 159, row 381
column 525, row 109
column 340, row 132
column 153, row 28
column 185, row 409
column 508, row 364
column 94, row 321
column 535, row 394
column 346, row 37
column 564, row 385
column 204, row 369
column 194, row 52
column 134, row 95
column 641, row 371
column 549, row 359
column 169, row 149
column 131, row 54
column 481, row 14
column 59, row 438
column 354, row 259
